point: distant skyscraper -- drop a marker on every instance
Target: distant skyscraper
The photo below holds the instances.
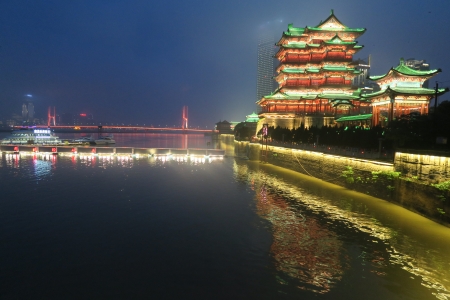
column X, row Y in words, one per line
column 362, row 80
column 30, row 112
column 24, row 112
column 363, row 66
column 419, row 65
column 265, row 84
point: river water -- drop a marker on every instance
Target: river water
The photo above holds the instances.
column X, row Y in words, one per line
column 93, row 227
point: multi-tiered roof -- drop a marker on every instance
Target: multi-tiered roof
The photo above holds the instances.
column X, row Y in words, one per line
column 315, row 74
column 402, row 92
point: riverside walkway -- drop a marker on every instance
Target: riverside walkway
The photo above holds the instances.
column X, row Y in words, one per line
column 371, row 154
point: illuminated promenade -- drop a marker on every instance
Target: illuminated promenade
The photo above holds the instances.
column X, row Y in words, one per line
column 120, row 151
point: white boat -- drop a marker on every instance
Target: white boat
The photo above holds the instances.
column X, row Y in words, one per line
column 85, row 140
column 105, row 140
column 31, row 136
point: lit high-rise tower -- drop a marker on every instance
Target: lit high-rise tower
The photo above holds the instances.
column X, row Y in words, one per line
column 24, row 112
column 30, row 112
column 265, row 83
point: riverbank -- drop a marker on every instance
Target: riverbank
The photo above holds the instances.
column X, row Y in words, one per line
column 414, row 181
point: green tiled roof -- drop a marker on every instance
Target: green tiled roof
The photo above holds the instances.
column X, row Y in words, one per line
column 292, row 70
column 337, row 29
column 405, row 70
column 299, row 46
column 298, row 31
column 295, row 45
column 337, row 102
column 406, row 91
column 355, row 118
column 332, row 97
column 280, row 95
column 310, row 97
column 315, row 70
column 252, row 118
column 338, row 96
column 332, row 16
column 337, row 40
column 341, row 69
column 294, row 31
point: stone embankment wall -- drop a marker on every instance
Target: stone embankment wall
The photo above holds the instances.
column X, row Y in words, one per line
column 406, row 182
column 426, row 167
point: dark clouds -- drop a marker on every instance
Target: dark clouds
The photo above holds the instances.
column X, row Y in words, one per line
column 141, row 61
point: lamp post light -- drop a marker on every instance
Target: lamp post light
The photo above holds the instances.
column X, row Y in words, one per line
column 265, row 131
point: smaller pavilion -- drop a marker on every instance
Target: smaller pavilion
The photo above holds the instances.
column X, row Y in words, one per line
column 401, row 93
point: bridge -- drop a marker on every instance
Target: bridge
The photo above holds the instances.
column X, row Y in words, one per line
column 122, row 129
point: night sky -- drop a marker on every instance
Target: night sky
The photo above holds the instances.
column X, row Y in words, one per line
column 141, row 61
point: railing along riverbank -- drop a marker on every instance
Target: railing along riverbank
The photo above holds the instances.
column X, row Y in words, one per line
column 373, row 154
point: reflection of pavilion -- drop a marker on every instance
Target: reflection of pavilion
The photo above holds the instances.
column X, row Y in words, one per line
column 303, row 248
column 402, row 92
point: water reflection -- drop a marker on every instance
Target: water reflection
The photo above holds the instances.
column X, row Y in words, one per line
column 12, row 160
column 43, row 164
column 127, row 161
column 303, row 248
column 321, row 235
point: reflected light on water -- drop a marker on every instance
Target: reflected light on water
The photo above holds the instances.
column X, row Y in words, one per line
column 308, row 247
column 302, row 247
column 43, row 165
column 13, row 160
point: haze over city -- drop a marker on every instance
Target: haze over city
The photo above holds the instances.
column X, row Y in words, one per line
column 141, row 62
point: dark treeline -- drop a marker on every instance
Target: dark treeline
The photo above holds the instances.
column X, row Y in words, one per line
column 413, row 131
column 345, row 136
column 417, row 131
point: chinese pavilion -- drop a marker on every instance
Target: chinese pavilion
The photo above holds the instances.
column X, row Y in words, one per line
column 315, row 76
column 401, row 93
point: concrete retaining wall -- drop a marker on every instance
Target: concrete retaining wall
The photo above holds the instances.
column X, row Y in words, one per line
column 426, row 167
column 371, row 177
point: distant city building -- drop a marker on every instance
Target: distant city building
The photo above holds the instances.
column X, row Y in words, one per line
column 24, row 112
column 419, row 65
column 251, row 121
column 28, row 113
column 11, row 122
column 266, row 66
column 362, row 80
column 83, row 119
column 224, row 127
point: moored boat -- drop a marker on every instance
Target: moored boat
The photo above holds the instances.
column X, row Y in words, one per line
column 105, row 140
column 85, row 140
column 31, row 136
